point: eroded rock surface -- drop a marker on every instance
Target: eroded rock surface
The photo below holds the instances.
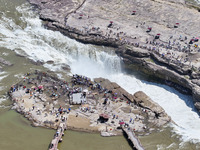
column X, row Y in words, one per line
column 156, row 114
column 171, row 57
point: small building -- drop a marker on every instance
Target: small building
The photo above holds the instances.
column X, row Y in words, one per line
column 157, row 36
column 77, row 99
column 149, row 29
column 110, row 24
column 176, row 25
column 103, row 118
column 133, row 12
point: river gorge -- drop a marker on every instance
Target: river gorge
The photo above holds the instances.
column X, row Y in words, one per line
column 28, row 45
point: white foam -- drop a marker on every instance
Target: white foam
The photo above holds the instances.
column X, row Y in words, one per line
column 2, row 77
column 160, row 147
column 41, row 44
column 171, row 146
column 178, row 106
column 198, row 1
column 3, row 106
column 2, row 98
column 19, row 76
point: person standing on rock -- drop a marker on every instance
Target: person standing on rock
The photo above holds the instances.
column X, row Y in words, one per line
column 130, row 120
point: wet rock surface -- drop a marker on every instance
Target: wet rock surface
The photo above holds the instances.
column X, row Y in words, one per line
column 5, row 62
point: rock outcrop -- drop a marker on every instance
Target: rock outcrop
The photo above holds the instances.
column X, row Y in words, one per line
column 142, row 100
column 46, row 101
column 115, row 88
column 112, row 23
column 156, row 114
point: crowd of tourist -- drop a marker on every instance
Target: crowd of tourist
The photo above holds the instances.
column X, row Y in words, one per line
column 176, row 50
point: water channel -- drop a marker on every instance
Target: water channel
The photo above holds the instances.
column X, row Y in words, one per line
column 22, row 33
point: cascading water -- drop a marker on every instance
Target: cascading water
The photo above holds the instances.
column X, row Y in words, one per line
column 37, row 43
column 198, row 1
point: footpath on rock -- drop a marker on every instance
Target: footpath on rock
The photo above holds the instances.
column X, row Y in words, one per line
column 84, row 105
column 157, row 37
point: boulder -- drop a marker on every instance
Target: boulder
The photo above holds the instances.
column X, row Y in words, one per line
column 160, row 117
column 142, row 100
column 197, row 105
column 66, row 67
column 115, row 88
column 137, row 52
column 50, row 62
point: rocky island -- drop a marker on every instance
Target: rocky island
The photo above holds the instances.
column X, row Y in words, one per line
column 157, row 37
column 85, row 105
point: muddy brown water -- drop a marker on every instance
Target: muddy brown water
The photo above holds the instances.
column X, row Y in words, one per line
column 17, row 133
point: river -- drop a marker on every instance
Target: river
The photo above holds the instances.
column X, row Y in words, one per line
column 22, row 32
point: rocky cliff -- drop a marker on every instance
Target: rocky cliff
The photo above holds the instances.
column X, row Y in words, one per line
column 155, row 36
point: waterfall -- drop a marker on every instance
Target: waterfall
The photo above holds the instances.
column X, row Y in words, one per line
column 32, row 40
